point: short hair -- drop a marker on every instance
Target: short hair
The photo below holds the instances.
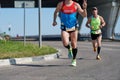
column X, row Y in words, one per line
column 94, row 8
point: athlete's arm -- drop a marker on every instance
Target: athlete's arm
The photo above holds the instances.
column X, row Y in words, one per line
column 56, row 13
column 102, row 22
column 88, row 23
column 83, row 11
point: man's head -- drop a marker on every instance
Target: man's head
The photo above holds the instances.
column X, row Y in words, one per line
column 94, row 10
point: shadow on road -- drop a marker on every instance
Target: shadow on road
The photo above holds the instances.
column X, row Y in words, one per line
column 34, row 65
column 78, row 59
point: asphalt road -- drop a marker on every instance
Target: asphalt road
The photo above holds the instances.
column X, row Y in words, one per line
column 88, row 68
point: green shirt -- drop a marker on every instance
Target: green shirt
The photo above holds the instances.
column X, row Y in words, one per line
column 95, row 24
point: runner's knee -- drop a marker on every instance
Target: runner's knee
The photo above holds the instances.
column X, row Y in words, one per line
column 73, row 44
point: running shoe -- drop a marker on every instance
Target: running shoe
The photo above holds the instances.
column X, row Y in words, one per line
column 98, row 57
column 73, row 62
column 70, row 54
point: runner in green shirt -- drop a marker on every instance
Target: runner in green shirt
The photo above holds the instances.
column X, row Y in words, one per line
column 95, row 23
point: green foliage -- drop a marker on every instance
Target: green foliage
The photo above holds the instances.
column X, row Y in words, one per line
column 14, row 49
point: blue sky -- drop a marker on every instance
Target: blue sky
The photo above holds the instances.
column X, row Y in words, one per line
column 14, row 18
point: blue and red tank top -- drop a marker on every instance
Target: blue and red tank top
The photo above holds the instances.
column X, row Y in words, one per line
column 68, row 15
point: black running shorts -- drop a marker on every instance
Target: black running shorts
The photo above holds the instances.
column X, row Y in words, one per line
column 95, row 36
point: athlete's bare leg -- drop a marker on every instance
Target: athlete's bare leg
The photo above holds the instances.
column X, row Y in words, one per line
column 74, row 37
column 94, row 43
column 65, row 38
column 99, row 47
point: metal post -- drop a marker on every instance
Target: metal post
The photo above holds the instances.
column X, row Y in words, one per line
column 39, row 22
column 24, row 25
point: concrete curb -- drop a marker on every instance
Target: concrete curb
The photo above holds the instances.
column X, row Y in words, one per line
column 13, row 61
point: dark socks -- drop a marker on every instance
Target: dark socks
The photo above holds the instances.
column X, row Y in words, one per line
column 68, row 46
column 74, row 53
column 98, row 50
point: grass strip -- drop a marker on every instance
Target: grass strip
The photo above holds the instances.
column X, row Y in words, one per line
column 15, row 49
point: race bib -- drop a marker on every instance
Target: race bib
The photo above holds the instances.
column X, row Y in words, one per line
column 97, row 32
column 71, row 29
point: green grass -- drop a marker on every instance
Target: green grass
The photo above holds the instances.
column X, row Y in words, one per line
column 14, row 49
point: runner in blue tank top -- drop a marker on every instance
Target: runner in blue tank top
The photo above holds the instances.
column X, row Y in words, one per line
column 67, row 10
